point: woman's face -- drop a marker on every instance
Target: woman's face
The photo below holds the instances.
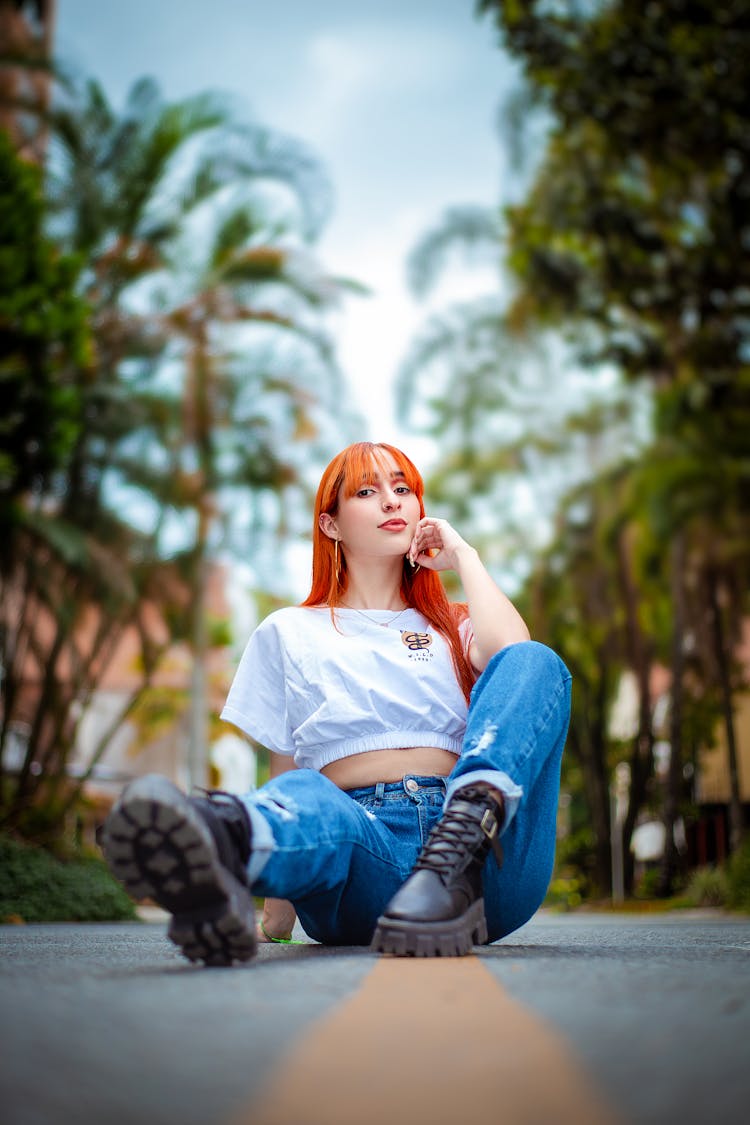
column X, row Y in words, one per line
column 379, row 520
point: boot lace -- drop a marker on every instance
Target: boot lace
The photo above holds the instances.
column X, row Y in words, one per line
column 466, row 831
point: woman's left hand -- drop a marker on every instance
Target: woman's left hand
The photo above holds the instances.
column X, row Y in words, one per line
column 436, row 545
column 495, row 620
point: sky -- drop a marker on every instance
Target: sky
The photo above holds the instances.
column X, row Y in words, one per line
column 398, row 99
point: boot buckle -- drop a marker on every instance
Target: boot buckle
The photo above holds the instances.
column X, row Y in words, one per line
column 490, row 828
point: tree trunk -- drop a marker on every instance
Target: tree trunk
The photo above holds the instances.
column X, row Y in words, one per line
column 198, row 737
column 673, row 786
column 596, row 792
column 200, row 415
column 641, row 759
column 599, row 781
column 736, row 818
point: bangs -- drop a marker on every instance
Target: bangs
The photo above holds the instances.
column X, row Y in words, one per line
column 367, row 462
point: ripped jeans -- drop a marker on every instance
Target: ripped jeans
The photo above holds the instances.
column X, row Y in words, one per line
column 340, row 856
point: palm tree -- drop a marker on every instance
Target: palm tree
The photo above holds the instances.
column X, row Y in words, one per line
column 26, row 73
column 259, row 378
column 122, row 187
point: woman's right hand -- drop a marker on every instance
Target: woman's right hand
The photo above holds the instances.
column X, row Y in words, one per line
column 279, row 917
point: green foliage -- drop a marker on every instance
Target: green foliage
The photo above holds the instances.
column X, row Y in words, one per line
column 36, row 887
column 622, row 258
column 43, row 332
column 738, row 877
column 725, row 886
column 634, row 218
column 575, row 878
column 566, row 891
column 648, row 887
column 198, row 413
column 707, row 887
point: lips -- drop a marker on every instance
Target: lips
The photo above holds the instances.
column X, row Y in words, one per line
column 392, row 525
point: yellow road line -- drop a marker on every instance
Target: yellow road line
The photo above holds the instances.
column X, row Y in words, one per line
column 429, row 1041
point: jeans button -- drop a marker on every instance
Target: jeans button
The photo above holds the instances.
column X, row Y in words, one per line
column 412, row 785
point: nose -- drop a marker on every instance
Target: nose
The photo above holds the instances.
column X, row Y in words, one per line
column 391, row 500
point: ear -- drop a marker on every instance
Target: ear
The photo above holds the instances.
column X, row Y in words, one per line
column 327, row 525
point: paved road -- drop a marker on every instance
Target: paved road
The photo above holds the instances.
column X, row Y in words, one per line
column 580, row 1018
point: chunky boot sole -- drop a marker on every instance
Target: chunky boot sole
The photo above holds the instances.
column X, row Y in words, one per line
column 159, row 847
column 452, row 938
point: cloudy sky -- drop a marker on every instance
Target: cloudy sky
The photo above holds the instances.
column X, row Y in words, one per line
column 398, row 98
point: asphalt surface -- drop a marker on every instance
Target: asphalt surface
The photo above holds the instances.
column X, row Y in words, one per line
column 108, row 1024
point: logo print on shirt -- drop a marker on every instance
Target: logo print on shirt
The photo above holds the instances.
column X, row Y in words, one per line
column 417, row 643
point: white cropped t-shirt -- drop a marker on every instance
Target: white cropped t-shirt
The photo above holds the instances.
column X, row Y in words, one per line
column 322, row 691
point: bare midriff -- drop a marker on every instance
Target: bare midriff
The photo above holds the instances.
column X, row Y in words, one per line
column 389, row 765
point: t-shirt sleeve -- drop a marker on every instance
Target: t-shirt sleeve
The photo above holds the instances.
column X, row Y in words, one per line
column 466, row 633
column 257, row 700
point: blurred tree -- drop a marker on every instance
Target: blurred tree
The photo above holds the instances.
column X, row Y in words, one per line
column 632, row 228
column 44, row 341
column 572, row 604
column 624, row 255
column 245, row 410
column 683, row 497
column 26, row 73
column 90, row 553
column 44, row 335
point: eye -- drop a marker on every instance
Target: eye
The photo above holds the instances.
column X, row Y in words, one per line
column 365, row 492
column 402, row 489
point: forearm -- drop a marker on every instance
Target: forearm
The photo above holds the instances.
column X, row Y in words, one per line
column 495, row 620
column 279, row 915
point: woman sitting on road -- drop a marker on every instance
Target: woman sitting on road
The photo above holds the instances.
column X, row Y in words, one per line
column 422, row 732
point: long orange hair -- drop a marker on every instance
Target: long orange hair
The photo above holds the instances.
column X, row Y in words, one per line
column 422, row 589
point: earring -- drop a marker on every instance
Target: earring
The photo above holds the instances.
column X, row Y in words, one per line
column 336, row 564
column 414, row 566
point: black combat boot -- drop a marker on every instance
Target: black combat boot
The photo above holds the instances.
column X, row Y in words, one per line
column 439, row 911
column 190, row 855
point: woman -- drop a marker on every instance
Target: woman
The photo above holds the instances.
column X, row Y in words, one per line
column 422, row 732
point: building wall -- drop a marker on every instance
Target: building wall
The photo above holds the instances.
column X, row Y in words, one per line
column 713, row 773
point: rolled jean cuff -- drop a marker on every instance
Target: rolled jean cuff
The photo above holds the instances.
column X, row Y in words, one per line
column 511, row 792
column 262, row 843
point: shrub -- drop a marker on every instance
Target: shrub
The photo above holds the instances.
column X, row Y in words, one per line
column 36, row 887
column 647, row 886
column 707, row 886
column 566, row 891
column 738, row 876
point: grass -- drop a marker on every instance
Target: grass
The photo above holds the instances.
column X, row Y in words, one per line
column 37, row 887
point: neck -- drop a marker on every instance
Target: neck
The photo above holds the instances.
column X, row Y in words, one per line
column 375, row 586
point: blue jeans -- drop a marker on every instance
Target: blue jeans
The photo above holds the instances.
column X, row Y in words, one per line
column 340, row 856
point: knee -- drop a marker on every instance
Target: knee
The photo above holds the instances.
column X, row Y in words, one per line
column 529, row 658
column 545, row 659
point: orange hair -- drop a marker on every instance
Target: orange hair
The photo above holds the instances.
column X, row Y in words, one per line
column 422, row 589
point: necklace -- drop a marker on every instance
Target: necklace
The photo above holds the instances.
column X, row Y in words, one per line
column 383, row 624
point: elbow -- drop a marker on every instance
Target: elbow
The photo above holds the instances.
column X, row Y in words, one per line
column 515, row 636
column 482, row 655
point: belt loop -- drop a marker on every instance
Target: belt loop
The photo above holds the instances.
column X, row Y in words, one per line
column 379, row 791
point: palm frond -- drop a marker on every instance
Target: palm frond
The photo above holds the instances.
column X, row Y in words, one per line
column 462, row 338
column 261, row 154
column 472, row 231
